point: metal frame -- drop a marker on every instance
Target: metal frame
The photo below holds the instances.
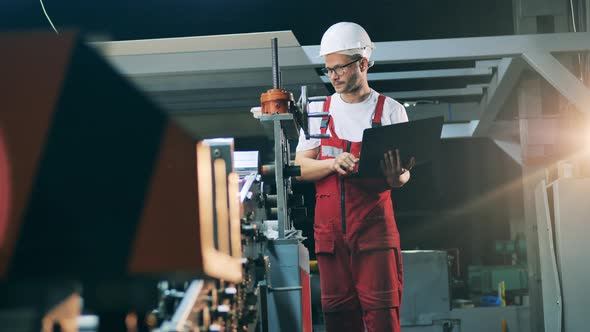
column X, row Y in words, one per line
column 502, row 84
column 477, row 48
column 560, row 78
column 174, row 56
column 467, row 91
column 186, row 63
column 426, row 74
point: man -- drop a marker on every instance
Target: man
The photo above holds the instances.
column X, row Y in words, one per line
column 356, row 238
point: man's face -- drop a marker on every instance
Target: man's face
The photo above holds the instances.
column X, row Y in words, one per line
column 350, row 80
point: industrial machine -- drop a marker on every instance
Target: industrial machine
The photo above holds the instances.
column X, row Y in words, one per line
column 289, row 293
column 108, row 223
column 226, row 298
column 258, row 202
column 87, row 207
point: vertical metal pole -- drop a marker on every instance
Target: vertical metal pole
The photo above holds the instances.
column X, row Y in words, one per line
column 280, row 179
column 275, row 63
column 279, row 139
column 263, row 308
column 529, row 109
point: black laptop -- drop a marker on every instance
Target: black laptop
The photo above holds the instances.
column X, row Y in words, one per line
column 418, row 138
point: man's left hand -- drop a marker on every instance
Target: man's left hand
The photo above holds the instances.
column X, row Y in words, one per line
column 396, row 173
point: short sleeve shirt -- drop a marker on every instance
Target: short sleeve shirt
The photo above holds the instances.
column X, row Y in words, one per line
column 350, row 120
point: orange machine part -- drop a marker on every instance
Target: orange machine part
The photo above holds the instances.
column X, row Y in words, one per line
column 168, row 237
column 275, row 101
column 23, row 76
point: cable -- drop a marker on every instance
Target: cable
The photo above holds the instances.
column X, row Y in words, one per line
column 46, row 15
column 573, row 15
column 581, row 63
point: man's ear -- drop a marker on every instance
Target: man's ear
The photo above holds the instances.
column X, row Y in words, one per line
column 364, row 64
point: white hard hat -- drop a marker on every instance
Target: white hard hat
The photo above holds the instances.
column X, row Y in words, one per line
column 347, row 38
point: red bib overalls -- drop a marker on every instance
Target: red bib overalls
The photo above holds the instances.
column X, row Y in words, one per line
column 357, row 244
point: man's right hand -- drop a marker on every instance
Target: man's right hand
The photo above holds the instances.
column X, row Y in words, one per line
column 344, row 163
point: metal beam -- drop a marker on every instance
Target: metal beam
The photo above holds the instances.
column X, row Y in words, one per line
column 242, row 124
column 260, row 78
column 512, row 149
column 482, row 86
column 435, row 93
column 502, row 85
column 503, row 133
column 425, row 74
column 229, row 42
column 199, row 62
column 469, row 48
column 238, row 52
column 148, row 57
column 209, row 100
column 196, row 107
column 455, row 130
column 452, row 112
column 487, row 63
column 560, row 78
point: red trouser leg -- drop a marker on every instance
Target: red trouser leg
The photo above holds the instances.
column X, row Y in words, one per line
column 342, row 310
column 382, row 320
column 340, row 321
column 379, row 280
column 368, row 282
column 336, row 279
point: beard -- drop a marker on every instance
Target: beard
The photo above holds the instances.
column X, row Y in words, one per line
column 351, row 85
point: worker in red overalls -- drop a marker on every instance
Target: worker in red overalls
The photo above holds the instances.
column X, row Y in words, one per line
column 356, row 238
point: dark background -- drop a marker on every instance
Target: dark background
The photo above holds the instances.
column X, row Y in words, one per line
column 384, row 20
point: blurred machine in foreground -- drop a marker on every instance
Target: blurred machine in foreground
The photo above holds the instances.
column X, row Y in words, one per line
column 99, row 189
column 113, row 219
column 227, row 298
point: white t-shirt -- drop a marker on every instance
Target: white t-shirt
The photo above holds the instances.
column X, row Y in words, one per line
column 351, row 119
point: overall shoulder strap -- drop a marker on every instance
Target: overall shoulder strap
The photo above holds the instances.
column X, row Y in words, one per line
column 378, row 111
column 326, row 119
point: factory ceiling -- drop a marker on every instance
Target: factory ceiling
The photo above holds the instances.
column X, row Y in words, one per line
column 206, row 62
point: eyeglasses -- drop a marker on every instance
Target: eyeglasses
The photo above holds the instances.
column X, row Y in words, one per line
column 339, row 70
